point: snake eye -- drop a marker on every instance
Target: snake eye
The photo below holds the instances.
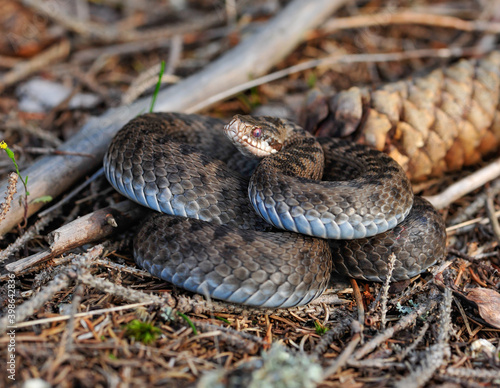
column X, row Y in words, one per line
column 257, row 132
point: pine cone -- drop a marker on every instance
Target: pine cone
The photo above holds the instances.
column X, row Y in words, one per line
column 441, row 122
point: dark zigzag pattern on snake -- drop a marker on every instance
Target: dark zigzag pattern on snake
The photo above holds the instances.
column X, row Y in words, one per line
column 215, row 243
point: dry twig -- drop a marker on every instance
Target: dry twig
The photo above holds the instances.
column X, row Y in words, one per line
column 89, row 228
column 27, row 236
column 408, row 17
column 385, row 290
column 463, row 214
column 59, row 283
column 435, row 355
column 490, row 210
column 466, row 185
column 24, row 69
column 403, row 323
column 343, row 357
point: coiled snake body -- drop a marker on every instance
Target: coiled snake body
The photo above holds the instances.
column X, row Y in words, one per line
column 219, row 240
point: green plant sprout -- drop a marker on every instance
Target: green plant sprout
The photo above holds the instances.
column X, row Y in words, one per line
column 142, row 331
column 158, row 84
column 191, row 324
column 42, row 199
column 10, row 154
column 320, row 329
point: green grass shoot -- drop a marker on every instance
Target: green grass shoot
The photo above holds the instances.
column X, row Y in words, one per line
column 320, row 329
column 158, row 84
column 191, row 324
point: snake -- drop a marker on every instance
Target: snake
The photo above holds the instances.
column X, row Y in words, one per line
column 310, row 207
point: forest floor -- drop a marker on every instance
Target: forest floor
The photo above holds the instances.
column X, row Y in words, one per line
column 87, row 316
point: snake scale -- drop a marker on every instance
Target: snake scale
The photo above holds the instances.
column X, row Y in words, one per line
column 222, row 236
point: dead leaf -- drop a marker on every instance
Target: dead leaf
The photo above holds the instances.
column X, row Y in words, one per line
column 488, row 302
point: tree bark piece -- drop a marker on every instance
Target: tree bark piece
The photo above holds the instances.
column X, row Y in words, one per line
column 52, row 175
column 441, row 122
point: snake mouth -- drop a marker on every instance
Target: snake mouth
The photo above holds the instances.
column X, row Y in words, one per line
column 241, row 136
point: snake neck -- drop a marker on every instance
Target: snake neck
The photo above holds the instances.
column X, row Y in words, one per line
column 300, row 157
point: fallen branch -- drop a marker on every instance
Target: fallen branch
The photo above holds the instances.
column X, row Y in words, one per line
column 33, row 231
column 91, row 227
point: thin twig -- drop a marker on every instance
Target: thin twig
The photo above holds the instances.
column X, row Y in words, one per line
column 60, row 318
column 244, row 341
column 466, row 185
column 464, row 316
column 24, row 69
column 466, row 213
column 343, row 357
column 123, row 268
column 84, row 28
column 28, row 308
column 359, row 301
column 59, row 283
column 401, row 356
column 33, row 130
column 54, row 151
column 111, row 33
column 127, row 294
column 149, row 77
column 335, row 332
column 468, row 225
column 9, row 62
column 73, row 193
column 476, row 374
column 490, row 210
column 408, row 320
column 434, row 356
column 385, row 290
column 100, row 53
column 408, row 17
column 67, row 338
column 330, row 60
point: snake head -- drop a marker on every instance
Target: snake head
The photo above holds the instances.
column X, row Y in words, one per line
column 256, row 137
